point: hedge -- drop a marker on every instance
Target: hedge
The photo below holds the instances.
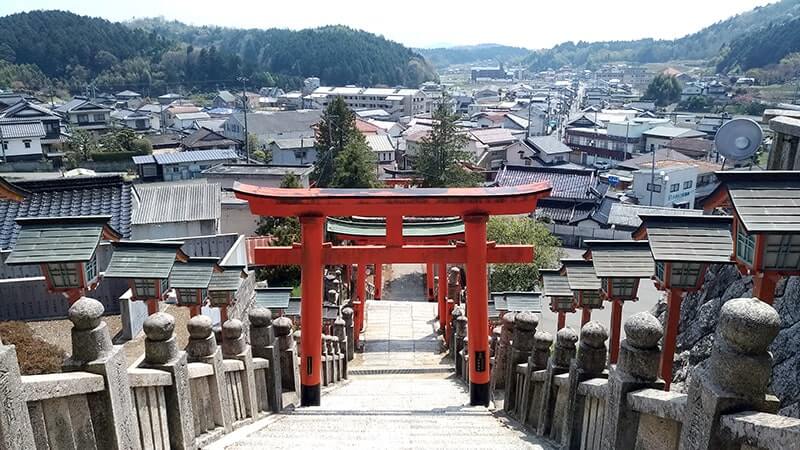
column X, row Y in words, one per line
column 114, row 156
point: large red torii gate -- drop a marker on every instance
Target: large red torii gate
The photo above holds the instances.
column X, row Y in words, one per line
column 312, row 206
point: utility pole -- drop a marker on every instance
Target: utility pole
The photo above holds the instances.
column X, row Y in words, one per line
column 244, row 81
column 653, row 178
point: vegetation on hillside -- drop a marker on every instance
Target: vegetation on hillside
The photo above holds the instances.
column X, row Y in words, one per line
column 443, row 57
column 763, row 47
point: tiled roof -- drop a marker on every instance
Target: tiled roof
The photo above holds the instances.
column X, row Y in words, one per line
column 21, row 130
column 567, row 183
column 631, row 259
column 60, row 239
column 705, row 239
column 62, row 197
column 207, row 137
column 548, row 145
column 166, row 203
column 258, row 170
column 142, row 259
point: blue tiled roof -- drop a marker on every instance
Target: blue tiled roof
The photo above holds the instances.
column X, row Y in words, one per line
column 61, row 197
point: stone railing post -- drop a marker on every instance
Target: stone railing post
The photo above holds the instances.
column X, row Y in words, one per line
column 503, row 351
column 15, row 422
column 542, row 341
column 235, row 347
column 325, row 361
column 524, row 328
column 460, row 336
column 590, row 363
column 637, row 368
column 347, row 316
column 290, row 370
column 333, row 296
column 337, row 359
column 262, row 344
column 161, row 353
column 458, row 311
column 202, row 348
column 558, row 363
column 340, row 331
column 92, row 351
column 736, row 376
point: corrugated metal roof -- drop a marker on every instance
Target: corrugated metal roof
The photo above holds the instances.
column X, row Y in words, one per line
column 22, row 130
column 274, row 298
column 567, row 183
column 580, row 275
column 195, row 156
column 622, row 259
column 379, row 143
column 194, row 274
column 627, row 215
column 230, row 279
column 57, row 239
column 549, row 145
column 177, row 203
column 554, row 284
column 142, row 259
column 144, row 159
column 705, row 239
column 765, row 201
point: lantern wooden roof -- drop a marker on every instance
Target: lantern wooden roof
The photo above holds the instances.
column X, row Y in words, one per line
column 765, row 201
column 554, row 284
column 517, row 301
column 229, row 279
column 193, row 274
column 273, row 297
column 703, row 239
column 329, row 312
column 144, row 259
column 580, row 275
column 621, row 259
column 45, row 240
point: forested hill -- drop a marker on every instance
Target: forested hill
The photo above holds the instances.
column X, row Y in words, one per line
column 156, row 55
column 706, row 44
column 443, row 57
column 763, row 47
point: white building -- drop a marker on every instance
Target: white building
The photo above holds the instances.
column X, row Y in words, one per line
column 21, row 140
column 397, row 102
column 382, row 146
column 671, row 186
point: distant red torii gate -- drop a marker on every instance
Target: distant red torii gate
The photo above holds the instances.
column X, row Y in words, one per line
column 312, row 206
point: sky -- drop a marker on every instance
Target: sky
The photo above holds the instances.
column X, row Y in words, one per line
column 417, row 23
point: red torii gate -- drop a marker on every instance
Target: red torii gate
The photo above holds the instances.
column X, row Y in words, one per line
column 312, row 206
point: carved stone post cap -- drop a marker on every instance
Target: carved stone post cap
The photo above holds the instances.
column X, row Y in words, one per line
column 508, row 319
column 526, row 321
column 566, row 337
column 199, row 327
column 748, row 325
column 260, row 317
column 159, row 326
column 496, row 331
column 338, row 272
column 458, row 311
column 461, row 318
column 332, row 294
column 594, row 334
column 298, row 334
column 542, row 340
column 232, row 329
column 339, row 322
column 643, row 330
column 282, row 326
column 455, row 271
column 347, row 313
column 86, row 313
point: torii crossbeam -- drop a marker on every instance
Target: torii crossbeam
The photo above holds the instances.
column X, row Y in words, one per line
column 312, row 206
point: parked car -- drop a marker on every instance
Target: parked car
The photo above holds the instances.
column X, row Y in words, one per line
column 602, row 165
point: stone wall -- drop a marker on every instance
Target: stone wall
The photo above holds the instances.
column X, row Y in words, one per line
column 700, row 314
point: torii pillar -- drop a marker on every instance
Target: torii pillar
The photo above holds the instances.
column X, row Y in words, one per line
column 477, row 309
column 312, row 231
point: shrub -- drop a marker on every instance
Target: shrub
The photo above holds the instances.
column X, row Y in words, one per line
column 35, row 355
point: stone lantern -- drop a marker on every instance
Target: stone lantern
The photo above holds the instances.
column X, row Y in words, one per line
column 766, row 225
column 146, row 265
column 223, row 287
column 556, row 287
column 190, row 281
column 66, row 250
column 682, row 248
column 619, row 265
column 585, row 286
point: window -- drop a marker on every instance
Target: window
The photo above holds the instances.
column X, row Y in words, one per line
column 83, row 118
column 139, row 124
column 99, row 117
column 144, row 288
column 782, row 252
column 653, row 187
column 745, row 244
column 623, row 287
column 687, row 184
column 685, row 275
column 219, row 298
column 90, row 269
column 63, row 275
column 27, row 143
column 149, row 170
column 5, row 145
column 675, row 187
column 187, row 296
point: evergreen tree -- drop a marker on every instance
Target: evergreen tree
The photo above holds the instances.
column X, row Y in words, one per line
column 335, row 130
column 521, row 230
column 442, row 152
column 355, row 166
column 284, row 231
column 663, row 90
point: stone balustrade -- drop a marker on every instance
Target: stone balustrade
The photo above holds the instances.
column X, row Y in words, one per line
column 170, row 398
column 571, row 398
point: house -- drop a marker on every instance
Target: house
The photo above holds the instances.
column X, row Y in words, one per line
column 383, row 147
column 129, row 99
column 180, row 165
column 82, row 114
column 163, row 143
column 289, row 100
column 216, row 125
column 224, row 99
column 660, row 136
column 135, row 120
column 397, row 102
column 270, row 126
column 367, row 128
column 184, row 121
column 491, row 143
column 205, row 139
column 266, row 175
column 393, row 129
column 21, row 139
column 25, row 110
column 575, row 194
column 538, row 151
column 174, row 109
column 175, row 210
column 293, row 151
column 697, row 148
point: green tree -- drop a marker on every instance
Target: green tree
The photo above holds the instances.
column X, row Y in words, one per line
column 256, row 150
column 521, row 230
column 442, row 152
column 355, row 166
column 335, row 130
column 80, row 147
column 283, row 231
column 663, row 90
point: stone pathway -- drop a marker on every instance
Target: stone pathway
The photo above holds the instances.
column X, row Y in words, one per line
column 401, row 395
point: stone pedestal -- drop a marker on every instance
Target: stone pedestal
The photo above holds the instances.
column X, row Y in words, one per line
column 637, row 368
column 559, row 363
column 735, row 377
column 262, row 345
column 503, row 351
column 347, row 316
column 235, row 347
column 532, row 397
column 161, row 353
column 460, row 337
column 92, row 351
column 202, row 347
column 15, row 422
column 340, row 331
column 290, row 371
column 523, row 330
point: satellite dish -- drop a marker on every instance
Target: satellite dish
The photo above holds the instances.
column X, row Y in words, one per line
column 738, row 139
